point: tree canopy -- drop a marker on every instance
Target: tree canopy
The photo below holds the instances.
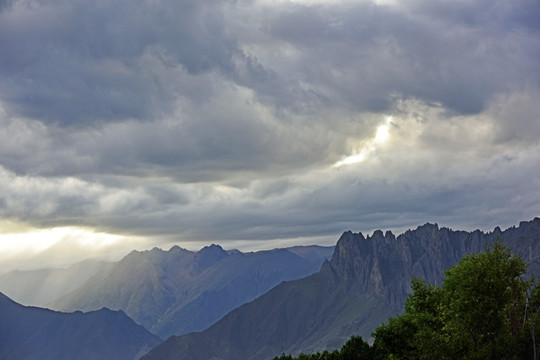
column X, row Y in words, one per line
column 354, row 349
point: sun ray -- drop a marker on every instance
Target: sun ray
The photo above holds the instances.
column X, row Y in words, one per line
column 382, row 135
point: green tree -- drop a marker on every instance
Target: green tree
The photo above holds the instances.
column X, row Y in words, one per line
column 530, row 336
column 410, row 336
column 483, row 305
column 356, row 349
column 283, row 357
column 477, row 313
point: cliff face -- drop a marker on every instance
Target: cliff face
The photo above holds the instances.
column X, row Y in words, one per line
column 383, row 264
column 366, row 281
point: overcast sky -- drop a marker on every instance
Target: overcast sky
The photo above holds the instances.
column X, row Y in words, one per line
column 258, row 124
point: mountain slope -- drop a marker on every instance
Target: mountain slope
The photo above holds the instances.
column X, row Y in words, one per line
column 180, row 291
column 34, row 333
column 42, row 287
column 366, row 281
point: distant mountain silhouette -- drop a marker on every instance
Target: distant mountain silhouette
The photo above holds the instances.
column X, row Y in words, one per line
column 366, row 281
column 44, row 286
column 180, row 291
column 28, row 333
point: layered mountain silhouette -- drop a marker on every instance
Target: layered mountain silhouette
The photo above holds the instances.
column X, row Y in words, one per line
column 29, row 333
column 366, row 281
column 44, row 286
column 180, row 291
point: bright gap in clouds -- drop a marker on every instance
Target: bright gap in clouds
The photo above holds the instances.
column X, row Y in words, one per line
column 381, row 136
column 27, row 248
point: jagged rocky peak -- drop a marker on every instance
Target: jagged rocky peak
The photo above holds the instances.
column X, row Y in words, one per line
column 389, row 236
column 347, row 247
column 428, row 229
column 532, row 225
column 379, row 238
column 354, row 246
column 212, row 249
column 155, row 255
column 209, row 255
column 377, row 235
column 142, row 258
column 136, row 253
column 234, row 252
column 176, row 248
column 369, row 262
column 352, row 257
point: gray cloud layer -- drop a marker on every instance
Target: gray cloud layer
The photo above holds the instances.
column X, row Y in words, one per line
column 221, row 120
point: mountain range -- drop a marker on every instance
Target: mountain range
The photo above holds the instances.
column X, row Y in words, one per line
column 180, row 291
column 28, row 333
column 366, row 281
column 233, row 305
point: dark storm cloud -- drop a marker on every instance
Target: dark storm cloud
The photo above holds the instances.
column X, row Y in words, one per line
column 366, row 55
column 221, row 140
column 221, row 120
column 79, row 62
column 73, row 62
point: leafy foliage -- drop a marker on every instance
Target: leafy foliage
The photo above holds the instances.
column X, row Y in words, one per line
column 478, row 313
column 485, row 309
column 354, row 349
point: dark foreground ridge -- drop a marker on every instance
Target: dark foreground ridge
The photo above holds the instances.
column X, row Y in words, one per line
column 36, row 333
column 366, row 281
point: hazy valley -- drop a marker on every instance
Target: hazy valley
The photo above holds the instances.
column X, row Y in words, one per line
column 42, row 287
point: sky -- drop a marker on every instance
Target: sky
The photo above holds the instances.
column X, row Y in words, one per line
column 258, row 124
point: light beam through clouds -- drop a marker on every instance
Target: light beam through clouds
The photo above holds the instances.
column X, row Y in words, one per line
column 369, row 147
column 26, row 248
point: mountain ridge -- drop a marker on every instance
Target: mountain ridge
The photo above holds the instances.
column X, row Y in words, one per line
column 28, row 332
column 366, row 281
column 179, row 291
